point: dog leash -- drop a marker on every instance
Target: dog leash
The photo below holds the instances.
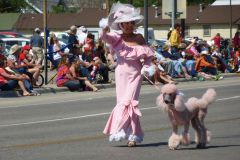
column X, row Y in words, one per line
column 156, row 87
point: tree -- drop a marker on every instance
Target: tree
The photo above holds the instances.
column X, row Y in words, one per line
column 12, row 6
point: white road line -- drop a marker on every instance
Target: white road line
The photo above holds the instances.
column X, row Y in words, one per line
column 87, row 116
column 69, row 118
column 222, row 99
column 75, row 100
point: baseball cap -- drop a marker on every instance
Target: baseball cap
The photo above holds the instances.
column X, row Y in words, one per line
column 26, row 47
column 36, row 30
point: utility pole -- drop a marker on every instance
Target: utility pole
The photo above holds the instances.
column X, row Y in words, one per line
column 174, row 6
column 45, row 39
column 146, row 20
column 230, row 21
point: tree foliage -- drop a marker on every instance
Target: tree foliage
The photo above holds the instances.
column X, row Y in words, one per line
column 12, row 6
column 18, row 5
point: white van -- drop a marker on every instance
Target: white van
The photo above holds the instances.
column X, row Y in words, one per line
column 151, row 36
column 94, row 31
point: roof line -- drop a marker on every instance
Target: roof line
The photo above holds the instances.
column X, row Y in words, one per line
column 34, row 7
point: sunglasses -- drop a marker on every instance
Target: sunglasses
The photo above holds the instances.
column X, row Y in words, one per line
column 131, row 22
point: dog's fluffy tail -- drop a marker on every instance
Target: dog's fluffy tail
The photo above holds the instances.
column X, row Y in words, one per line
column 207, row 98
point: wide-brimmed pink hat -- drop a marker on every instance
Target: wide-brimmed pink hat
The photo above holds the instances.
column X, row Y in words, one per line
column 120, row 13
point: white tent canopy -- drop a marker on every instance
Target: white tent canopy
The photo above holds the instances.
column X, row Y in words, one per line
column 225, row 2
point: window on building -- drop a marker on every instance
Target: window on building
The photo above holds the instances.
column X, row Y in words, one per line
column 206, row 30
column 187, row 31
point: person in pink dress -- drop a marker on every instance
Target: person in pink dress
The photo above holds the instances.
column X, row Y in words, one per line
column 133, row 60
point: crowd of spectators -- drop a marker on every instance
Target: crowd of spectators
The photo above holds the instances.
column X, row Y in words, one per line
column 84, row 62
column 197, row 59
column 17, row 70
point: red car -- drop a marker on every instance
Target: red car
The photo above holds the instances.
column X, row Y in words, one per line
column 13, row 34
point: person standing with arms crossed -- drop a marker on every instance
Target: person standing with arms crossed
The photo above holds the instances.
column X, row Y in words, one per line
column 37, row 43
column 133, row 59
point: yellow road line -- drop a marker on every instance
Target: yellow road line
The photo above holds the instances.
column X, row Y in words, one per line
column 96, row 137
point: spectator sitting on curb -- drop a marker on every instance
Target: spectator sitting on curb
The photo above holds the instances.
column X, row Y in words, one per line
column 102, row 69
column 75, row 72
column 203, row 64
column 12, row 62
column 31, row 68
column 190, row 65
column 179, row 70
column 11, row 81
column 164, row 60
column 160, row 74
column 58, row 53
column 100, row 51
column 66, row 78
column 217, row 56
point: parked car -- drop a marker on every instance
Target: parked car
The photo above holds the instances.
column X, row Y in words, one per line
column 13, row 34
column 5, row 36
column 8, row 42
column 2, row 47
column 161, row 42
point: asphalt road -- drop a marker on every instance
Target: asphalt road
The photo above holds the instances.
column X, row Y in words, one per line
column 68, row 126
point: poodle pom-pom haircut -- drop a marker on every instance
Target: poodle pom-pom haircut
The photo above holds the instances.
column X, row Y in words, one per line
column 178, row 102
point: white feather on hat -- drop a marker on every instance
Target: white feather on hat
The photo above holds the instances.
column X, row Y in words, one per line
column 120, row 13
column 14, row 49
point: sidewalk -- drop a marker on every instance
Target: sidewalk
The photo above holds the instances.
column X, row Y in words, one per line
column 52, row 88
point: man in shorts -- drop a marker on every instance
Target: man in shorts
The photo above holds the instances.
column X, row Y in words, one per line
column 37, row 43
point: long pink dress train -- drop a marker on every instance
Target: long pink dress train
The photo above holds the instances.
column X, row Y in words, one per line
column 123, row 122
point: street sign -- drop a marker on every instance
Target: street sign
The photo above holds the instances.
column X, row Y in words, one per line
column 180, row 9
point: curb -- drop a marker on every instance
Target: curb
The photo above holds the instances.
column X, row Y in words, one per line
column 54, row 89
column 48, row 89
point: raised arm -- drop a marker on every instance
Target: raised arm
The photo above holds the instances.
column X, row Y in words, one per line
column 111, row 38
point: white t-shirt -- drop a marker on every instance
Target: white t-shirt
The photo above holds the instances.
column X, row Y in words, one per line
column 82, row 37
column 56, row 55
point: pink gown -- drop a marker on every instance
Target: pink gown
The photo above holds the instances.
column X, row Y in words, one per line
column 123, row 122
